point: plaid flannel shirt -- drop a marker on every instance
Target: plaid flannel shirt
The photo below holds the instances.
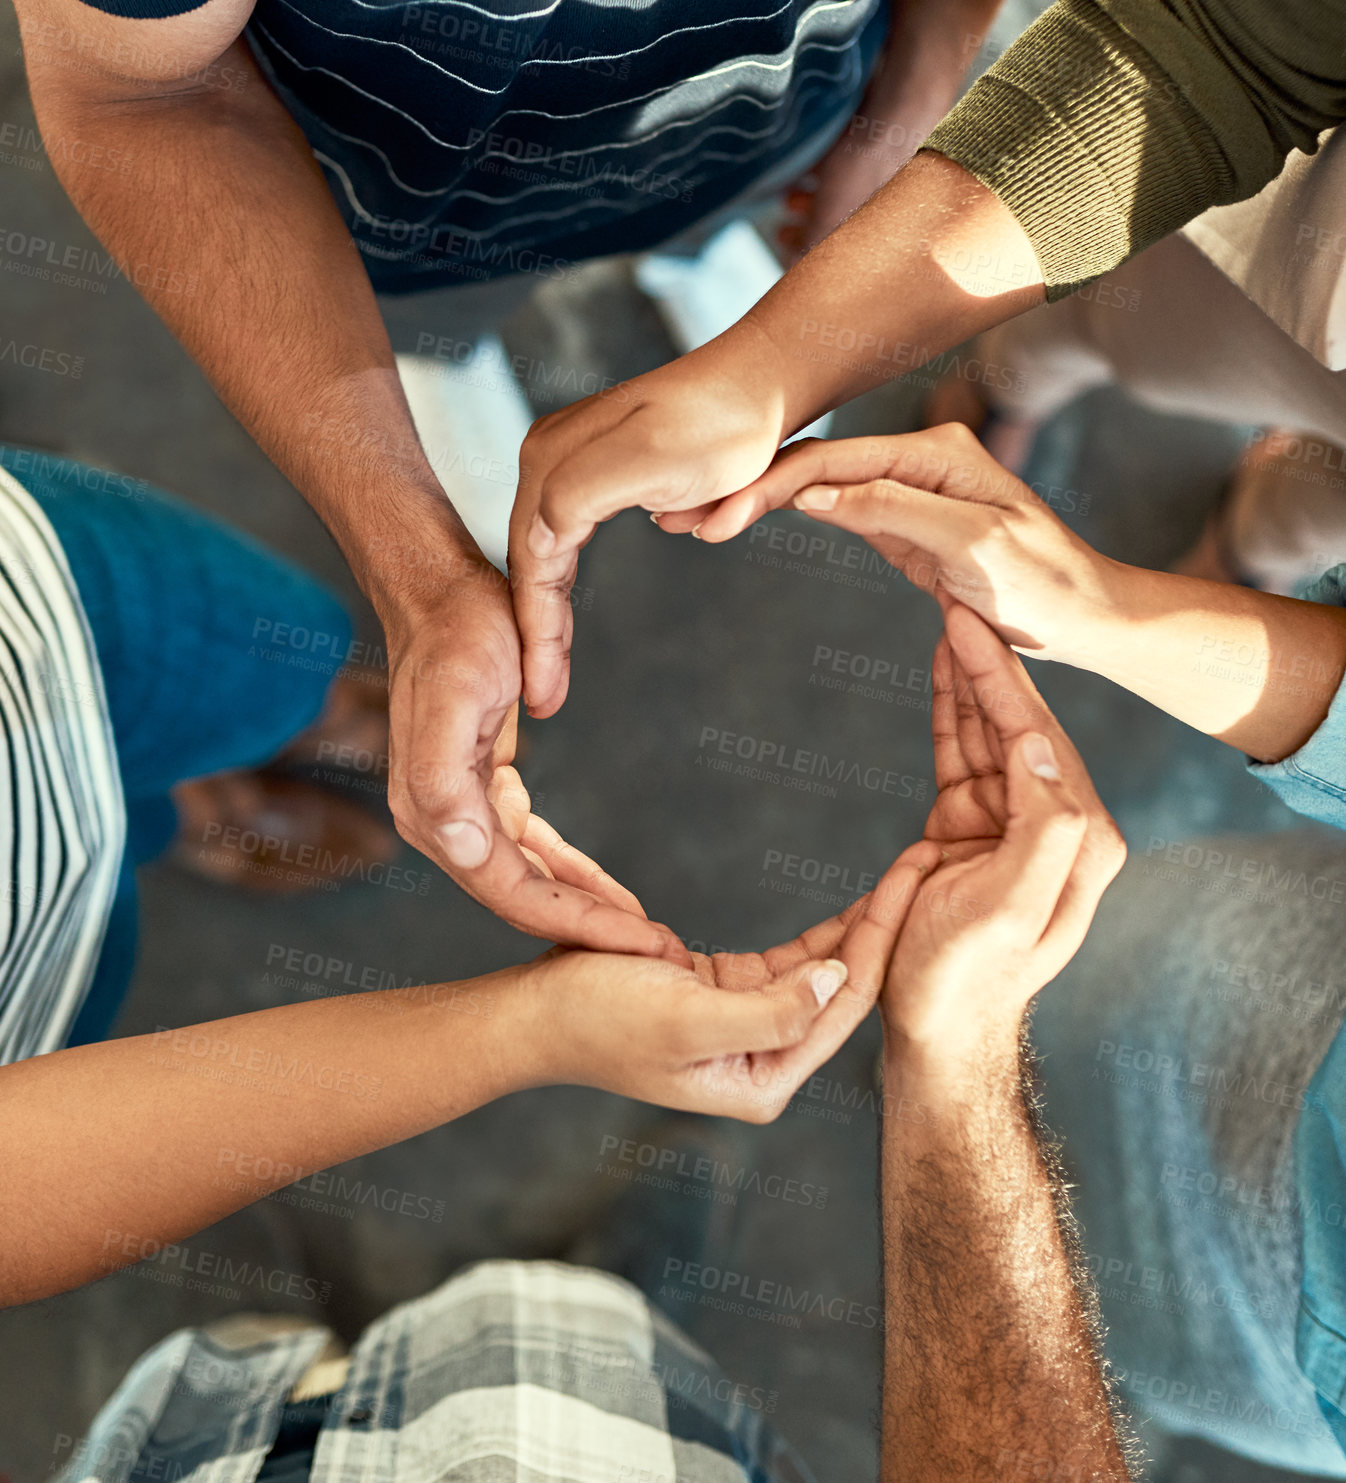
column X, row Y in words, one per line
column 510, row 1371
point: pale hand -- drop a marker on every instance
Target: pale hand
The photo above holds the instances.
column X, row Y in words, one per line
column 951, row 519
column 734, row 1035
column 679, row 438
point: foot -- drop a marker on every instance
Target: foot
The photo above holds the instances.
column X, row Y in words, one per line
column 1009, row 440
column 354, row 723
column 276, row 834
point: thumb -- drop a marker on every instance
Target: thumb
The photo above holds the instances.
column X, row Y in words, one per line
column 463, row 822
column 442, row 793
column 779, row 1014
column 872, row 936
column 1044, row 834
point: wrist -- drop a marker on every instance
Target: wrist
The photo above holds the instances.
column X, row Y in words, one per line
column 1101, row 619
column 951, row 1061
column 754, row 353
column 412, row 553
column 772, row 342
column 510, row 1053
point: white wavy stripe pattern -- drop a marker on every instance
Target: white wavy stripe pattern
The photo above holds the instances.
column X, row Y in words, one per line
column 764, row 82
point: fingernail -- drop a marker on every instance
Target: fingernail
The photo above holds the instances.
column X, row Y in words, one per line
column 654, row 518
column 816, row 499
column 696, row 531
column 1040, row 758
column 465, row 844
column 541, row 537
column 826, row 980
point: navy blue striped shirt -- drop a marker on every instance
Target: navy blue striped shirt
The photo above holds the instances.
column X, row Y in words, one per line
column 465, row 142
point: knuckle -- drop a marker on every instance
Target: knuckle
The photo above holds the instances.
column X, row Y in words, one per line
column 407, row 828
column 790, row 1022
column 1069, row 819
column 1111, row 845
column 426, row 793
column 957, row 435
column 538, row 435
column 882, row 491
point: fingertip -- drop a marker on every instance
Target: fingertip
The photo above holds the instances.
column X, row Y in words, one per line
column 670, row 947
column 826, row 978
column 544, row 696
column 466, row 845
column 1039, row 756
column 729, row 519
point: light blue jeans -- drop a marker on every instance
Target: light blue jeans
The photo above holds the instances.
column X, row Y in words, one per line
column 1176, row 1049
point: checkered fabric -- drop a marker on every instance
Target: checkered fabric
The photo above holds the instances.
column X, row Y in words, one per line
column 512, row 1372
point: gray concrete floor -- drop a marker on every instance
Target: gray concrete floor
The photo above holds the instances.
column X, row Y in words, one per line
column 672, row 638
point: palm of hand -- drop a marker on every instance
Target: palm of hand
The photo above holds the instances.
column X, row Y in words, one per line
column 968, row 816
column 742, row 973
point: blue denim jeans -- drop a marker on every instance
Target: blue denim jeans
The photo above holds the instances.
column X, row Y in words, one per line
column 214, row 653
column 1177, row 1049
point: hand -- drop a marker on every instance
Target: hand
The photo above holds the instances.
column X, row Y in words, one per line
column 734, row 1035
column 950, row 519
column 1017, row 852
column 679, row 438
column 453, row 669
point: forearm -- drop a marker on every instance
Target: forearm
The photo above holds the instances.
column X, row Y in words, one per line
column 222, row 194
column 990, row 1367
column 929, row 261
column 156, row 1136
column 1256, row 670
column 1110, row 124
column 931, row 44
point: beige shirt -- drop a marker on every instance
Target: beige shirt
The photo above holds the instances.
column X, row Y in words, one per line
column 1286, row 248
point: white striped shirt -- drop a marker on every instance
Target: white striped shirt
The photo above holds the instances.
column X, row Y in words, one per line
column 62, row 817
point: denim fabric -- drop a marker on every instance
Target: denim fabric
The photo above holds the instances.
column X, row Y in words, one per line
column 185, row 614
column 1195, row 1070
column 1312, row 781
column 1320, row 1331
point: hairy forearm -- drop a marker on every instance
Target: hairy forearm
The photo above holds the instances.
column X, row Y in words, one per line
column 109, row 1150
column 929, row 261
column 221, row 193
column 1256, row 670
column 991, row 1369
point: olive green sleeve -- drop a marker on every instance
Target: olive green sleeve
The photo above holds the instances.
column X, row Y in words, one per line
column 1111, row 123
